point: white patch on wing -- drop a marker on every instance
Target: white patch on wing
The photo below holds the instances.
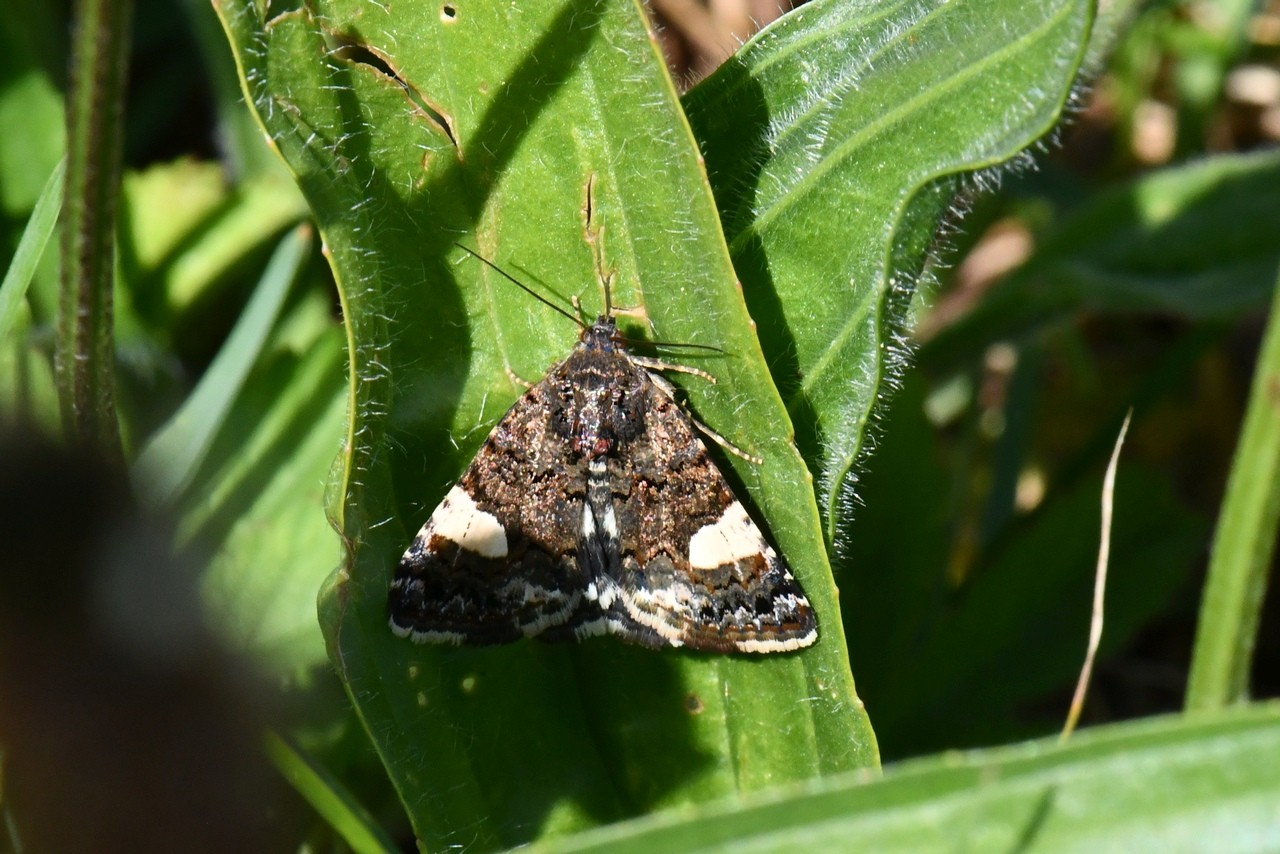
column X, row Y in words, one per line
column 729, row 539
column 459, row 520
column 588, row 521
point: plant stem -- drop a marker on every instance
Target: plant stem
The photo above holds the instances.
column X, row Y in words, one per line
column 95, row 105
column 1244, row 543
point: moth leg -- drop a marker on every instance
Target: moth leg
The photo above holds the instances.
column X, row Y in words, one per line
column 659, row 365
column 725, row 443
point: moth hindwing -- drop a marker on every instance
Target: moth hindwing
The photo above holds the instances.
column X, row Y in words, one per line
column 593, row 508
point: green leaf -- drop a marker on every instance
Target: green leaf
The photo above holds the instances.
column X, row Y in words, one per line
column 1194, row 241
column 33, row 37
column 185, row 231
column 259, row 496
column 495, row 126
column 1244, row 544
column 328, row 797
column 990, row 629
column 820, row 136
column 30, row 248
column 1022, row 621
column 1163, row 784
column 172, row 455
column 27, row 389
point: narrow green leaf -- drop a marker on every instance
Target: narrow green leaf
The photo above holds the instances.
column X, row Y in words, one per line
column 259, row 496
column 1240, row 564
column 172, row 455
column 27, row 256
column 173, row 262
column 499, row 126
column 1021, row 629
column 1165, row 784
column 820, row 136
column 1194, row 241
column 328, row 797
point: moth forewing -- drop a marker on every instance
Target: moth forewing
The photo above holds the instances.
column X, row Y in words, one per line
column 594, row 508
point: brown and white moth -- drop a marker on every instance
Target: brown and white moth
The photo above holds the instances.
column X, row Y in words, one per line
column 593, row 508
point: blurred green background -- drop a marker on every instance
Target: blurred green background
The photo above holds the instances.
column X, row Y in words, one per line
column 1127, row 263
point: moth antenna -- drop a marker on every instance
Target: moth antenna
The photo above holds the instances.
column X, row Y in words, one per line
column 521, row 285
column 517, row 379
column 592, row 232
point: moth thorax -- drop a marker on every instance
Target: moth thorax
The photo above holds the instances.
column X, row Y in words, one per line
column 603, row 415
column 592, row 434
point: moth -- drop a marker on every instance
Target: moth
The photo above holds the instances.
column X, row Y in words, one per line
column 594, row 508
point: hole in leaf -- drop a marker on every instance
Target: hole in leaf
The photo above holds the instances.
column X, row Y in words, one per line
column 448, row 13
column 361, row 54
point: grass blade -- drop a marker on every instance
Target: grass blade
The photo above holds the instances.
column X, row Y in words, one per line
column 30, row 248
column 328, row 797
column 171, row 457
column 1243, row 545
